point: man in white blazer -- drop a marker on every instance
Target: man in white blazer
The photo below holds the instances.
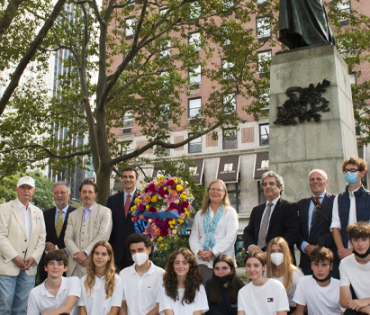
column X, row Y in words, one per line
column 86, row 226
column 22, row 242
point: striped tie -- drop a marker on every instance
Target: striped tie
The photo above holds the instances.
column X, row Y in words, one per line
column 59, row 226
column 263, row 230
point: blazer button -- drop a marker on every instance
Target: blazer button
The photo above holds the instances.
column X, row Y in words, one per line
column 23, row 252
column 83, row 232
column 25, row 240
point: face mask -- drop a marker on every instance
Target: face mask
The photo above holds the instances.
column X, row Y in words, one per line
column 322, row 280
column 362, row 255
column 223, row 280
column 277, row 258
column 351, row 178
column 140, row 258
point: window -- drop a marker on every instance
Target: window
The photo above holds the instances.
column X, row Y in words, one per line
column 194, row 40
column 162, row 151
column 344, row 8
column 227, row 68
column 165, row 110
column 195, row 75
column 264, row 100
column 195, row 145
column 261, row 195
column 264, row 134
column 130, row 27
column 195, row 106
column 264, row 60
column 229, row 101
column 127, row 120
column 263, row 27
column 162, row 12
column 352, row 78
column 165, row 48
column 233, row 191
column 165, row 77
column 229, row 139
column 195, row 10
column 126, row 147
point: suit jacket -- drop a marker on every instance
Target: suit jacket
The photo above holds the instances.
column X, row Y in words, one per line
column 13, row 238
column 99, row 230
column 51, row 235
column 284, row 222
column 320, row 231
column 123, row 227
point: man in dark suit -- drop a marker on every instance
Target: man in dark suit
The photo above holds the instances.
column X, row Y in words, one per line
column 123, row 227
column 315, row 213
column 276, row 217
column 55, row 222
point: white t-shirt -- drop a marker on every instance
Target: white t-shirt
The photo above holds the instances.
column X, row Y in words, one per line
column 266, row 299
column 97, row 303
column 319, row 300
column 356, row 274
column 40, row 301
column 200, row 302
column 141, row 293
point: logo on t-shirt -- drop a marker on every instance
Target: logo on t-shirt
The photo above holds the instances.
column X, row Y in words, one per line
column 270, row 299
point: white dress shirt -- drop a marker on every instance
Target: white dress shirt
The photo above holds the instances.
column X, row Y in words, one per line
column 26, row 214
column 225, row 236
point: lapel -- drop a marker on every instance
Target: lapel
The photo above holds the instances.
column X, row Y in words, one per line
column 52, row 221
column 325, row 202
column 275, row 214
column 258, row 219
column 306, row 209
column 94, row 214
column 18, row 215
column 131, row 204
column 66, row 219
column 34, row 223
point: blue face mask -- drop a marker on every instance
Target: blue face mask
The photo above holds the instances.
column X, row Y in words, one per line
column 351, row 178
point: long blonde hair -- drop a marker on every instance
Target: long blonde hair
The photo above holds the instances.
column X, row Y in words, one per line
column 206, row 200
column 110, row 271
column 288, row 267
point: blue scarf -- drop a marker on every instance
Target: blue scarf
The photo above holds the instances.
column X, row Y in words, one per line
column 209, row 226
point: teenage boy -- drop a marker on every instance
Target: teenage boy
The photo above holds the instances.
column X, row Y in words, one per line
column 56, row 295
column 142, row 281
column 319, row 292
column 355, row 271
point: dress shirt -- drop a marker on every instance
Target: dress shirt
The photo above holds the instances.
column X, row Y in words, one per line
column 26, row 214
column 87, row 212
column 335, row 222
column 310, row 211
column 125, row 194
column 64, row 214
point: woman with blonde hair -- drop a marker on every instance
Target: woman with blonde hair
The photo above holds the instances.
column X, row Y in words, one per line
column 215, row 228
column 102, row 288
column 280, row 267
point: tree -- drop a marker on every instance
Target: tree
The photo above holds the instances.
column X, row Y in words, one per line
column 136, row 76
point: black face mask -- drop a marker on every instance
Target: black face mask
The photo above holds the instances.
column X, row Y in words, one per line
column 223, row 280
column 363, row 255
column 321, row 280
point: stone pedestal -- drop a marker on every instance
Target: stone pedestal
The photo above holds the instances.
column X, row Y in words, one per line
column 295, row 150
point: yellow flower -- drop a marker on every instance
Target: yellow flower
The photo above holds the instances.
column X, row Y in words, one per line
column 187, row 213
column 176, row 181
column 133, row 208
column 181, row 220
column 161, row 245
column 173, row 221
column 174, row 231
column 165, row 188
column 172, row 226
column 137, row 200
column 178, row 187
column 147, row 207
column 154, row 199
column 143, row 186
column 159, row 239
column 183, row 196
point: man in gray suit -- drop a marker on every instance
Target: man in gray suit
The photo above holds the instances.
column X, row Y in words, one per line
column 86, row 226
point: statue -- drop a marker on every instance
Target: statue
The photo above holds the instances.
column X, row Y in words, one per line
column 304, row 23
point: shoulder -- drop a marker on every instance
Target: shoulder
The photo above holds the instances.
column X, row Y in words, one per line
column 71, row 281
column 335, row 282
column 118, row 279
column 347, row 261
column 71, row 209
column 83, row 279
column 76, row 213
column 157, row 270
column 7, row 205
column 126, row 272
column 330, row 195
column 49, row 211
column 276, row 284
column 287, row 203
column 103, row 209
column 303, row 201
column 297, row 272
column 37, row 209
column 117, row 195
column 36, row 291
column 231, row 211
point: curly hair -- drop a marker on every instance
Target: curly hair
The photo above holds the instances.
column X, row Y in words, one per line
column 320, row 254
column 110, row 270
column 207, row 201
column 193, row 281
column 358, row 230
column 361, row 164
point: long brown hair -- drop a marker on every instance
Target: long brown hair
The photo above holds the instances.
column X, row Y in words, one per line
column 206, row 200
column 193, row 280
column 110, row 270
column 233, row 286
column 288, row 267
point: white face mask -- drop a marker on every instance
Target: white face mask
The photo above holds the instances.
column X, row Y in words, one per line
column 140, row 258
column 277, row 258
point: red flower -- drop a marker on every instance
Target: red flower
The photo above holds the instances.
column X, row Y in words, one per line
column 170, row 182
column 164, row 232
column 156, row 221
column 185, row 204
column 141, row 207
column 171, row 206
column 162, row 192
column 152, row 209
column 151, row 188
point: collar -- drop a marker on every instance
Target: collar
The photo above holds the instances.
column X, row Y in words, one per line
column 22, row 206
column 91, row 208
column 320, row 196
column 44, row 291
column 132, row 193
column 64, row 209
column 274, row 202
column 150, row 270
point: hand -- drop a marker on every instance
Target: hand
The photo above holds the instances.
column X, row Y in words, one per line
column 356, row 305
column 63, row 250
column 50, row 247
column 309, row 248
column 29, row 262
column 85, row 263
column 80, row 257
column 19, row 261
column 255, row 248
column 344, row 252
column 207, row 255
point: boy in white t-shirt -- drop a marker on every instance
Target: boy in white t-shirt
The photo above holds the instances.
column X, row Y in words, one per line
column 57, row 295
column 319, row 292
column 355, row 271
column 142, row 281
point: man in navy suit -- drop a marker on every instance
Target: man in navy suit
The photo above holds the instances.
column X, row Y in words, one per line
column 276, row 217
column 123, row 227
column 55, row 222
column 315, row 213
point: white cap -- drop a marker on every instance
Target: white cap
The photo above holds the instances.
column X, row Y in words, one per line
column 26, row 181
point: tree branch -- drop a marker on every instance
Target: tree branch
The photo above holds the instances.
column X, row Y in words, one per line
column 8, row 15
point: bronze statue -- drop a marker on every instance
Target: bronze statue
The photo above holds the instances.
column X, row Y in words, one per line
column 304, row 23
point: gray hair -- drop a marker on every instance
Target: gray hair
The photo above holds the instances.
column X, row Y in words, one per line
column 323, row 173
column 278, row 178
column 63, row 183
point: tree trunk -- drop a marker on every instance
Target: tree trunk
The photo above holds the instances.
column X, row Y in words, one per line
column 103, row 182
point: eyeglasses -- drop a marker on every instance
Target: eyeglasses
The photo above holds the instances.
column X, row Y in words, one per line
column 216, row 190
column 352, row 170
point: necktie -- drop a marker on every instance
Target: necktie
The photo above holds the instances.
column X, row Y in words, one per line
column 263, row 230
column 127, row 204
column 59, row 226
column 318, row 201
column 315, row 209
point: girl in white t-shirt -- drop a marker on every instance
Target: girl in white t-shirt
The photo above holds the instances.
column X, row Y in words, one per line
column 102, row 288
column 280, row 267
column 262, row 295
column 182, row 292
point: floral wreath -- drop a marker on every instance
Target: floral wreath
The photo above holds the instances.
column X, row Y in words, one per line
column 162, row 208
